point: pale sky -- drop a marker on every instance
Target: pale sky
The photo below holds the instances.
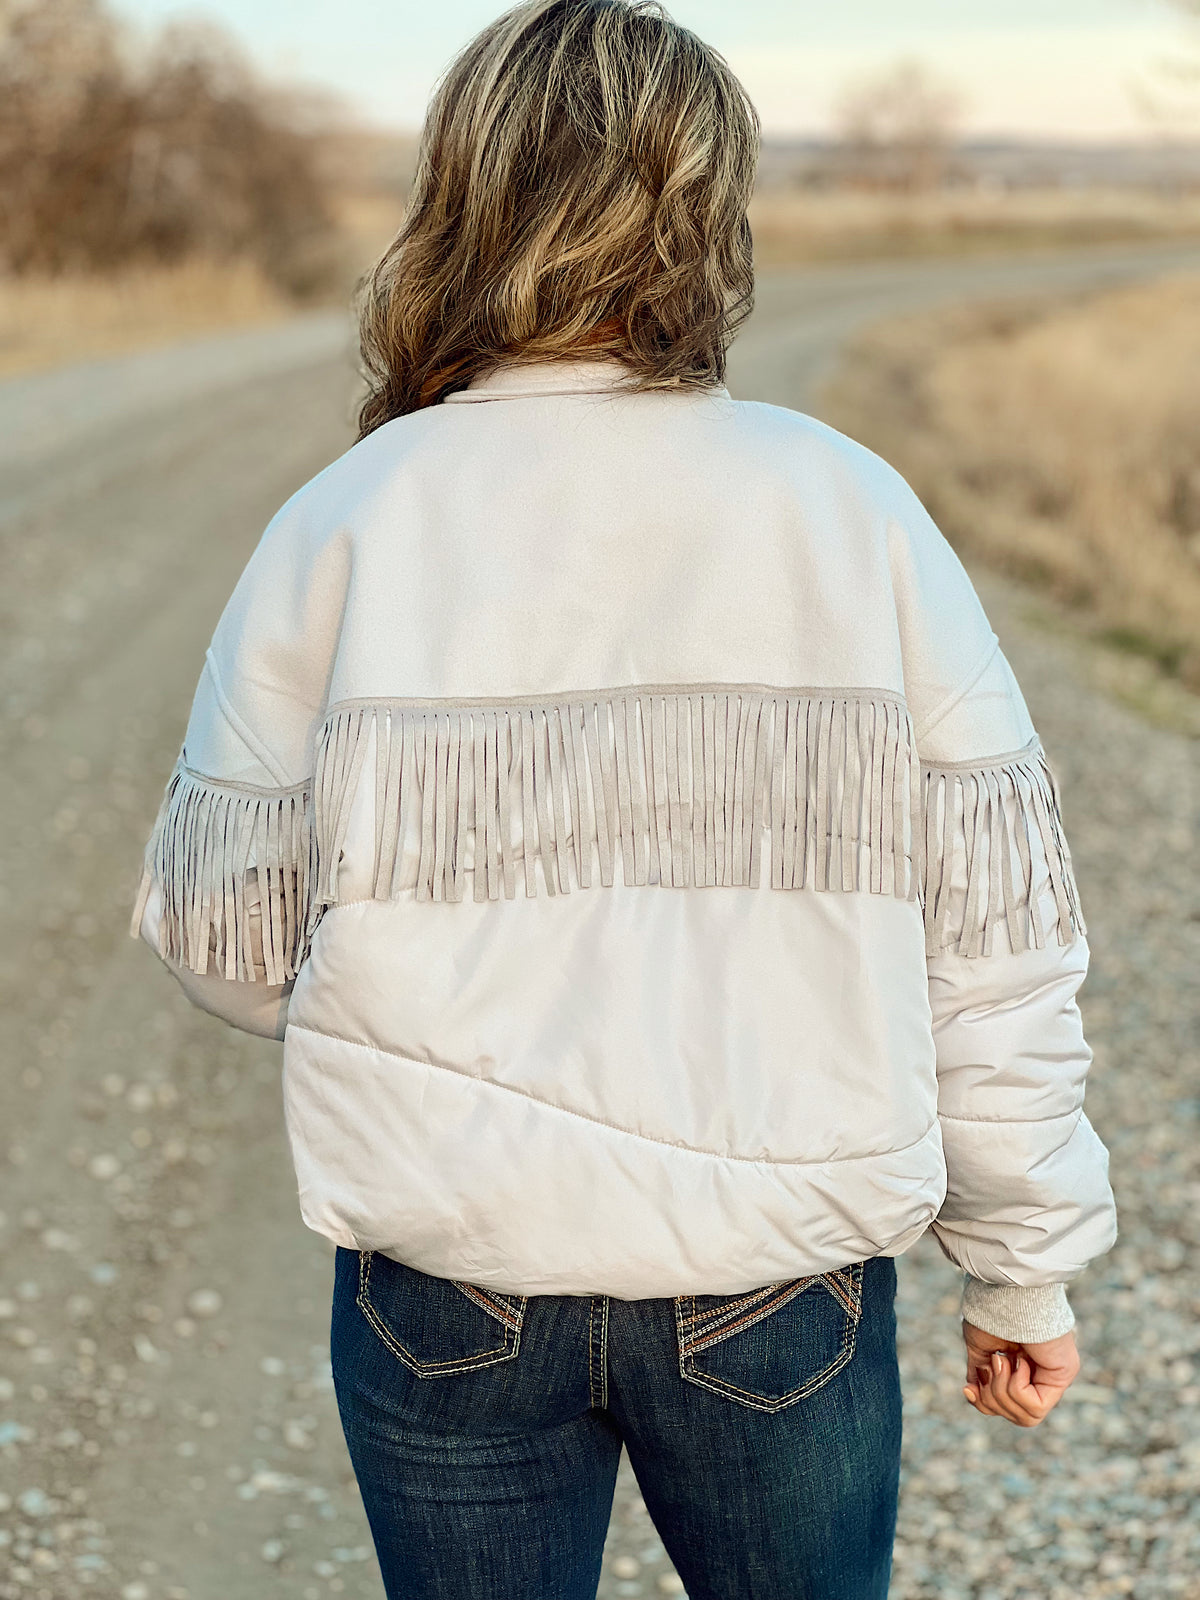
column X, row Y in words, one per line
column 1058, row 68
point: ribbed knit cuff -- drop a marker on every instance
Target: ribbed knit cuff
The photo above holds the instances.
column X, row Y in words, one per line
column 1026, row 1316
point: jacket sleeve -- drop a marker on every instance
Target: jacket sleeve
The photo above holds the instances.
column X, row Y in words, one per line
column 1028, row 1202
column 224, row 888
column 259, row 1007
column 225, row 894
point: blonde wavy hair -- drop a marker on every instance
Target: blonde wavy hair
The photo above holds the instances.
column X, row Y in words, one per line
column 581, row 191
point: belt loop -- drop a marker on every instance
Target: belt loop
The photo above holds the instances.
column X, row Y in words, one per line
column 598, row 1351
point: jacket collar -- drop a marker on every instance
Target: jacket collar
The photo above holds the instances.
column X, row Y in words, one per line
column 527, row 380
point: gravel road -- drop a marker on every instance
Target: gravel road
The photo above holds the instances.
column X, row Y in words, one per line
column 167, row 1422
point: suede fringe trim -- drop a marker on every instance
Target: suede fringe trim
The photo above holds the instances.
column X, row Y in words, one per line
column 666, row 788
column 663, row 787
column 1012, row 807
column 207, row 838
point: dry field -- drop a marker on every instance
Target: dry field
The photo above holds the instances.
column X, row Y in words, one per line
column 792, row 226
column 1058, row 442
column 50, row 322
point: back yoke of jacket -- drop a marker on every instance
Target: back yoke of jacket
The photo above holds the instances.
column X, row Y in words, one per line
column 668, row 889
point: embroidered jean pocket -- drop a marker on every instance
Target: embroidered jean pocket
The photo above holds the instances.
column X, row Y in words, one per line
column 773, row 1346
column 437, row 1326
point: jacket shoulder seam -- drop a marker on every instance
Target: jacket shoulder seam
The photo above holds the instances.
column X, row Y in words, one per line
column 941, row 711
column 240, row 726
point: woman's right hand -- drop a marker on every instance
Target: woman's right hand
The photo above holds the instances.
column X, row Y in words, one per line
column 1021, row 1382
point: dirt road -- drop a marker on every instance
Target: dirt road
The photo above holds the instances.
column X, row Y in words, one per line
column 167, row 1425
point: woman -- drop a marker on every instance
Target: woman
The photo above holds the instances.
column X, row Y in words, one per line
column 620, row 797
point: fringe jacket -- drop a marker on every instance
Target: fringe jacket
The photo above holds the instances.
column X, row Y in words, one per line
column 622, row 808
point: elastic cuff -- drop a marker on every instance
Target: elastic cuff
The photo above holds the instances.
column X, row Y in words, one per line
column 1008, row 1311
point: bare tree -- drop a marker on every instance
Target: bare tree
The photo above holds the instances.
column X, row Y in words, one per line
column 895, row 129
column 108, row 157
column 58, row 66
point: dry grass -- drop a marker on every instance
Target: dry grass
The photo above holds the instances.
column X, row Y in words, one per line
column 792, row 226
column 52, row 322
column 49, row 322
column 1059, row 443
column 367, row 224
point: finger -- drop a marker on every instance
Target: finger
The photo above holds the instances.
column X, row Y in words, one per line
column 974, row 1399
column 976, row 1365
column 998, row 1384
column 1024, row 1393
column 985, row 1401
column 1001, row 1386
column 987, row 1391
column 1048, row 1395
column 1036, row 1395
column 981, row 1402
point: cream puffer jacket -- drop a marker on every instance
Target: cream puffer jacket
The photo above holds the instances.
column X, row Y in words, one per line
column 622, row 808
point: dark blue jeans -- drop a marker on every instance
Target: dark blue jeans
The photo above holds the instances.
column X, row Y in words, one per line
column 485, row 1431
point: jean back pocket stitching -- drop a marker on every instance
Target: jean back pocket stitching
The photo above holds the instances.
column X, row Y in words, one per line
column 728, row 1310
column 503, row 1311
column 758, row 1402
column 702, row 1337
column 430, row 1369
column 850, row 1279
column 846, row 1286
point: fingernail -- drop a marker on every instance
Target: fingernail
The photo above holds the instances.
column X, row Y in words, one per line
column 997, row 1361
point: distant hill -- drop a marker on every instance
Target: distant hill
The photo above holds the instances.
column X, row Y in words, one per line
column 1164, row 166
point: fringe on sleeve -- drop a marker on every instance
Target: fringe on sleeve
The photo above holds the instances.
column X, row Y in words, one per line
column 207, row 838
column 993, row 833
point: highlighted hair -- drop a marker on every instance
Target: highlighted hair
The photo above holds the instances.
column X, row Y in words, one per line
column 581, row 191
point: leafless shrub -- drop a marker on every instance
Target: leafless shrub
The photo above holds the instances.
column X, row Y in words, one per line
column 111, row 157
column 895, row 128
